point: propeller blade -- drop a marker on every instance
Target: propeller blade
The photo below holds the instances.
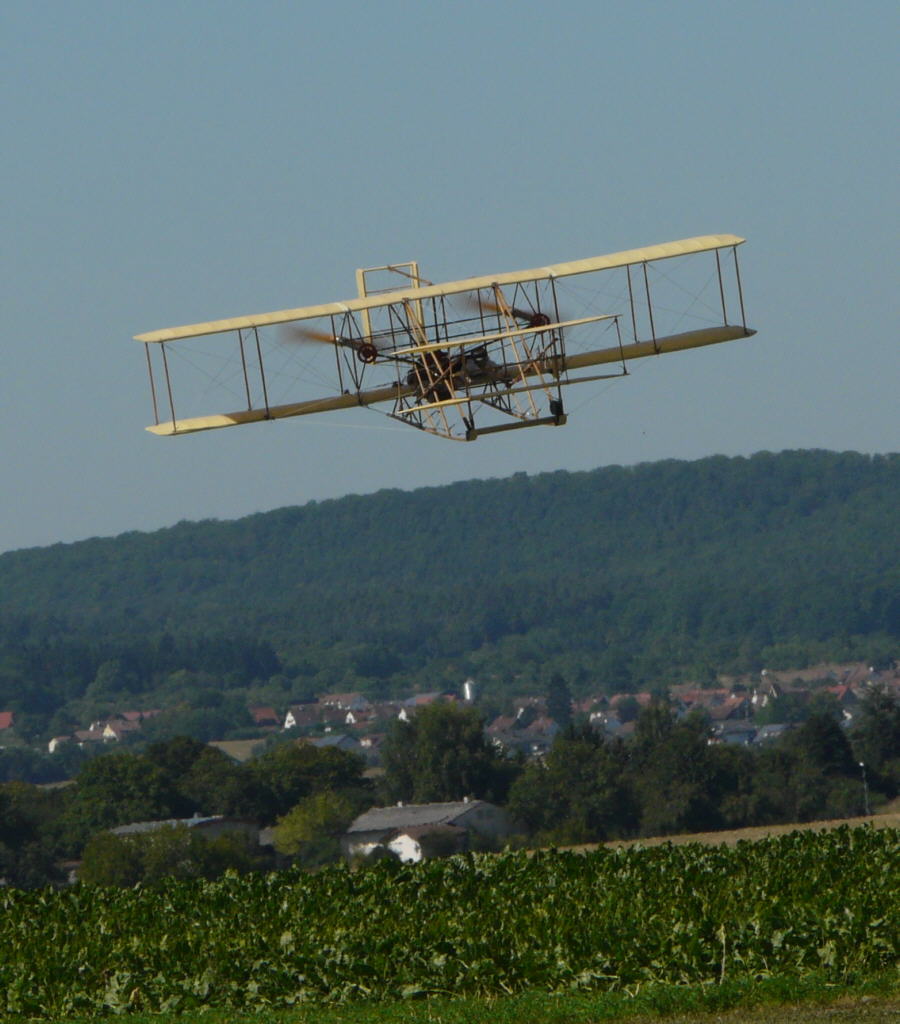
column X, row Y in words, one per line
column 530, row 317
column 366, row 351
column 293, row 333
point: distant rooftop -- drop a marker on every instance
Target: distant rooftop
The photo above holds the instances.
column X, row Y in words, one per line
column 139, row 827
column 408, row 815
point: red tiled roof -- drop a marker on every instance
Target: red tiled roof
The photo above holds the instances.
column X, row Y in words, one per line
column 121, row 727
column 264, row 716
column 842, row 693
column 137, row 716
column 542, row 724
column 643, row 699
column 88, row 735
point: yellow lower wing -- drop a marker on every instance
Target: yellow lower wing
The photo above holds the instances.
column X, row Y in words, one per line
column 636, row 350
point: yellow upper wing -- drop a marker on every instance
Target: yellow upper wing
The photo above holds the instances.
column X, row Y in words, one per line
column 703, row 243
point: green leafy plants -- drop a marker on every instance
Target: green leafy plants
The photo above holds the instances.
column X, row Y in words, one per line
column 803, row 904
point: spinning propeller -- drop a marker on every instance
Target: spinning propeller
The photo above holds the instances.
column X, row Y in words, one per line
column 530, row 317
column 365, row 351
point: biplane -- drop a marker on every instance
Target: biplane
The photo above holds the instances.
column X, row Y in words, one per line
column 459, row 360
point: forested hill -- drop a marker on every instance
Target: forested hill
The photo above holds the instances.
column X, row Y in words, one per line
column 615, row 577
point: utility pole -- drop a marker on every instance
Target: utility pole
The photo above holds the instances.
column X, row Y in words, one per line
column 865, row 787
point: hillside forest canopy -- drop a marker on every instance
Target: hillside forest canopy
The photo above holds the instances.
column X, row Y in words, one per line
column 618, row 579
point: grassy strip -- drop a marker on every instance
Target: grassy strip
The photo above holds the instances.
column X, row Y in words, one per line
column 770, row 1000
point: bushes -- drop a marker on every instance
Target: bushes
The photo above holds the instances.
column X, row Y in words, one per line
column 172, row 851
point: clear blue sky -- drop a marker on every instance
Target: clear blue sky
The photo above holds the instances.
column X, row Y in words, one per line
column 172, row 162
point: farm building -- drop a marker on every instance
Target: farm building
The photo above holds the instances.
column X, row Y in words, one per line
column 209, row 827
column 414, row 832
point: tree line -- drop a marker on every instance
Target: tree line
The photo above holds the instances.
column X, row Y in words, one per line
column 667, row 778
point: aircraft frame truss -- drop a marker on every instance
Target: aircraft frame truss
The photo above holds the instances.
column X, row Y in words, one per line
column 467, row 358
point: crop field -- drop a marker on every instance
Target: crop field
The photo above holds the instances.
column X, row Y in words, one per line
column 885, row 818
column 805, row 905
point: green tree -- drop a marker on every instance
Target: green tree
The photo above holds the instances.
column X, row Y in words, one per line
column 214, row 784
column 174, row 757
column 311, row 830
column 825, row 777
column 116, row 789
column 442, row 754
column 172, row 851
column 559, row 700
column 772, row 798
column 181, row 852
column 627, row 709
column 27, row 847
column 789, row 708
column 876, row 738
column 114, row 677
column 653, row 726
column 110, row 860
column 673, row 774
column 822, row 744
column 289, row 772
column 201, row 724
column 734, row 770
column 577, row 794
